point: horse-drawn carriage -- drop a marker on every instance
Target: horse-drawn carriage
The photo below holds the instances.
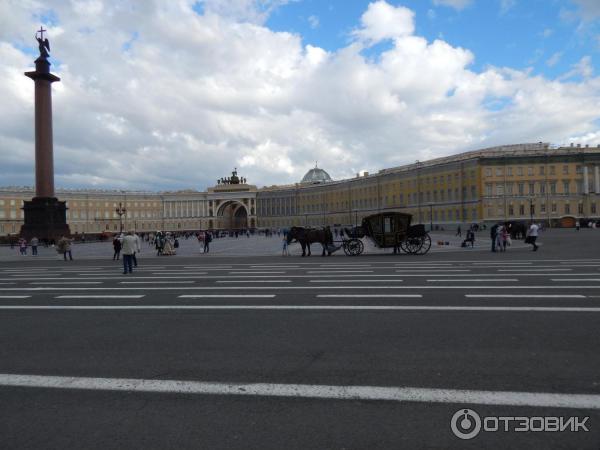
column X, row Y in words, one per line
column 386, row 230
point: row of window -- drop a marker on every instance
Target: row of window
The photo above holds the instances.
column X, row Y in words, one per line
column 535, row 188
column 520, row 171
column 527, row 210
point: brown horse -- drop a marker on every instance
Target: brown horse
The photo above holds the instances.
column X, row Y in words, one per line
column 307, row 236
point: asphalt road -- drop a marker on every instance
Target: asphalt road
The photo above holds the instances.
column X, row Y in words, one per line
column 272, row 352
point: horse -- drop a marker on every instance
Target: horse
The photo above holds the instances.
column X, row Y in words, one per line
column 307, row 236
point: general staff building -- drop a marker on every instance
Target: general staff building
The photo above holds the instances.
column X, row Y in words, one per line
column 553, row 185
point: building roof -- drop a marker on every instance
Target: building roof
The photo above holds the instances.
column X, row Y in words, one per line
column 316, row 176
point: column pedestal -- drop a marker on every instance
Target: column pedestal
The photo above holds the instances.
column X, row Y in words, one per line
column 45, row 218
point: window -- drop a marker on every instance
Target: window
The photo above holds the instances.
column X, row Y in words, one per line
column 511, row 210
column 473, row 192
column 509, row 188
column 593, row 208
column 499, row 189
column 521, row 210
column 532, row 188
column 542, row 188
column 499, row 171
column 566, row 187
column 553, row 187
column 509, row 171
column 580, row 208
column 552, row 170
column 567, row 208
column 521, row 188
column 543, row 208
column 565, row 170
column 553, row 207
column 474, row 214
column 579, row 169
column 520, row 171
column 530, row 171
column 542, row 170
column 488, row 173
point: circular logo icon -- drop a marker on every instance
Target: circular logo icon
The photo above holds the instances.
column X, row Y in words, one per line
column 465, row 424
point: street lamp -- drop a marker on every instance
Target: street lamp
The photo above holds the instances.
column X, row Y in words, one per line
column 121, row 211
column 531, row 209
column 431, row 217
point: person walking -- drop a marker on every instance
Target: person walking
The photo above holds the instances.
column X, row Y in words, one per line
column 23, row 246
column 459, row 232
column 499, row 233
column 138, row 248
column 117, row 247
column 34, row 245
column 207, row 239
column 577, row 225
column 493, row 234
column 532, row 235
column 128, row 251
column 284, row 251
column 64, row 247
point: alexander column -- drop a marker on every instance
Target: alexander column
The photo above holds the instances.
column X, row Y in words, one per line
column 45, row 216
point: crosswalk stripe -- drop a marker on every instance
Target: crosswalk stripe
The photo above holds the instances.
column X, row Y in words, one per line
column 99, row 296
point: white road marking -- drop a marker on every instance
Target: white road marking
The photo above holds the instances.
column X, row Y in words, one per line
column 535, row 270
column 227, row 296
column 66, row 282
column 162, row 288
column 480, row 279
column 443, row 271
column 575, row 279
column 275, row 267
column 560, row 309
column 180, row 273
column 369, row 296
column 365, row 393
column 356, row 281
column 523, row 296
column 156, row 282
column 99, row 296
column 338, row 271
column 249, row 272
column 14, row 296
column 252, row 281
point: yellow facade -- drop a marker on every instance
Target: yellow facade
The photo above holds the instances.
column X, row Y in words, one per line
column 518, row 182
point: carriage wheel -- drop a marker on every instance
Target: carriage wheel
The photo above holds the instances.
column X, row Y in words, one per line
column 353, row 247
column 413, row 245
column 426, row 245
column 402, row 246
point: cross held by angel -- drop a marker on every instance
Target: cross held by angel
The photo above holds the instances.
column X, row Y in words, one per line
column 43, row 44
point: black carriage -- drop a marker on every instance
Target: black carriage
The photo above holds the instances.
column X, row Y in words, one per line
column 388, row 230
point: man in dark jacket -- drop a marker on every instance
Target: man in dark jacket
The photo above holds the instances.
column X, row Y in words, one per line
column 493, row 234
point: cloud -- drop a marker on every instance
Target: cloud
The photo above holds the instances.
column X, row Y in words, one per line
column 313, row 21
column 456, row 4
column 144, row 104
column 506, row 5
column 554, row 59
column 589, row 9
column 384, row 21
column 253, row 11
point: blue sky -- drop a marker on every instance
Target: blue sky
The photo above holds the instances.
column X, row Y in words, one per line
column 548, row 36
column 174, row 94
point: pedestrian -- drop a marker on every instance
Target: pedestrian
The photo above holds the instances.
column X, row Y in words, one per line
column 532, row 235
column 23, row 246
column 505, row 238
column 459, row 232
column 577, row 225
column 284, row 251
column 117, row 248
column 499, row 233
column 159, row 243
column 34, row 245
column 138, row 248
column 493, row 234
column 207, row 239
column 129, row 245
column 64, row 247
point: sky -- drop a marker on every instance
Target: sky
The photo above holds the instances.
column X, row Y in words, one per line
column 169, row 95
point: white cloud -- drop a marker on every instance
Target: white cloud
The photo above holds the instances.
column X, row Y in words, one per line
column 589, row 9
column 456, row 4
column 384, row 21
column 506, row 5
column 313, row 21
column 149, row 105
column 554, row 59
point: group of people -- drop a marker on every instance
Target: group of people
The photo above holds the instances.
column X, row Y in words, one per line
column 22, row 243
column 127, row 245
column 500, row 234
